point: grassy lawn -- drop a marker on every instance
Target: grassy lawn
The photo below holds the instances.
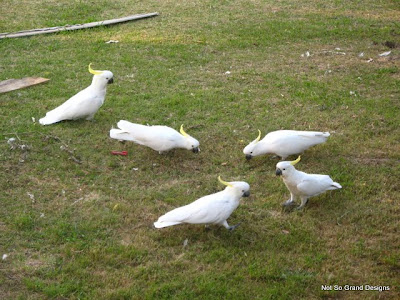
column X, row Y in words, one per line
column 84, row 230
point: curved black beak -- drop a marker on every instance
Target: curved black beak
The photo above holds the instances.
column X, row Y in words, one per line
column 248, row 156
column 278, row 172
column 196, row 150
column 111, row 80
column 246, row 194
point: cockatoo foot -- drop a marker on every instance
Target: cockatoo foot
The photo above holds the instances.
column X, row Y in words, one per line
column 303, row 204
column 231, row 228
column 288, row 203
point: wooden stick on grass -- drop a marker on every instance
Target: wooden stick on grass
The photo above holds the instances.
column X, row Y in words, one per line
column 15, row 84
column 75, row 27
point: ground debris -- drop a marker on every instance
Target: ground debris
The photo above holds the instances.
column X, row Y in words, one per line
column 387, row 53
column 76, row 201
column 112, row 42
column 65, row 147
column 18, row 144
column 31, row 196
column 71, row 154
column 336, row 51
column 11, row 142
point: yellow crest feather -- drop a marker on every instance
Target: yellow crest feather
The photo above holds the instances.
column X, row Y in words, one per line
column 295, row 161
column 183, row 131
column 224, row 182
column 94, row 72
column 259, row 135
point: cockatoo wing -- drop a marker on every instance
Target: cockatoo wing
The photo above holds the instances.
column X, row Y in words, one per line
column 130, row 132
column 160, row 138
column 315, row 184
column 287, row 142
column 83, row 104
column 311, row 138
column 183, row 214
column 210, row 209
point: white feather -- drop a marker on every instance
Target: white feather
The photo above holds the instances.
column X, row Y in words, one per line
column 211, row 209
column 285, row 142
column 159, row 138
column 84, row 104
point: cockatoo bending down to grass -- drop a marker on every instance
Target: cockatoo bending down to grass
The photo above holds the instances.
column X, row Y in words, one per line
column 212, row 209
column 303, row 185
column 284, row 143
column 159, row 138
column 83, row 105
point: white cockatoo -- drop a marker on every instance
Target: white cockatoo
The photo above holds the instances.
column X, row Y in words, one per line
column 212, row 209
column 159, row 138
column 302, row 185
column 83, row 105
column 284, row 143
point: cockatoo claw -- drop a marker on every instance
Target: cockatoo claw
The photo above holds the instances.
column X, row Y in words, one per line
column 232, row 228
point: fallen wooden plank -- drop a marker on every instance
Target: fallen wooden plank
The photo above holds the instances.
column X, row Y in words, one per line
column 15, row 84
column 75, row 27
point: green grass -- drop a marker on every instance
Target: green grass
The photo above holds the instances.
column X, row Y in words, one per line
column 86, row 233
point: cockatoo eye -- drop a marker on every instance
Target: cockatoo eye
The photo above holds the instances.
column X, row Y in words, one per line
column 283, row 169
column 251, row 152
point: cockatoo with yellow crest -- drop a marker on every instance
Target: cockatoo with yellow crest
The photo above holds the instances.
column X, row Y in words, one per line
column 284, row 143
column 212, row 209
column 158, row 137
column 83, row 105
column 302, row 185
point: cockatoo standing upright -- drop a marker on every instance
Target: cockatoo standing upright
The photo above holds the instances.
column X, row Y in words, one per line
column 83, row 105
column 303, row 185
column 284, row 143
column 212, row 209
column 159, row 138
